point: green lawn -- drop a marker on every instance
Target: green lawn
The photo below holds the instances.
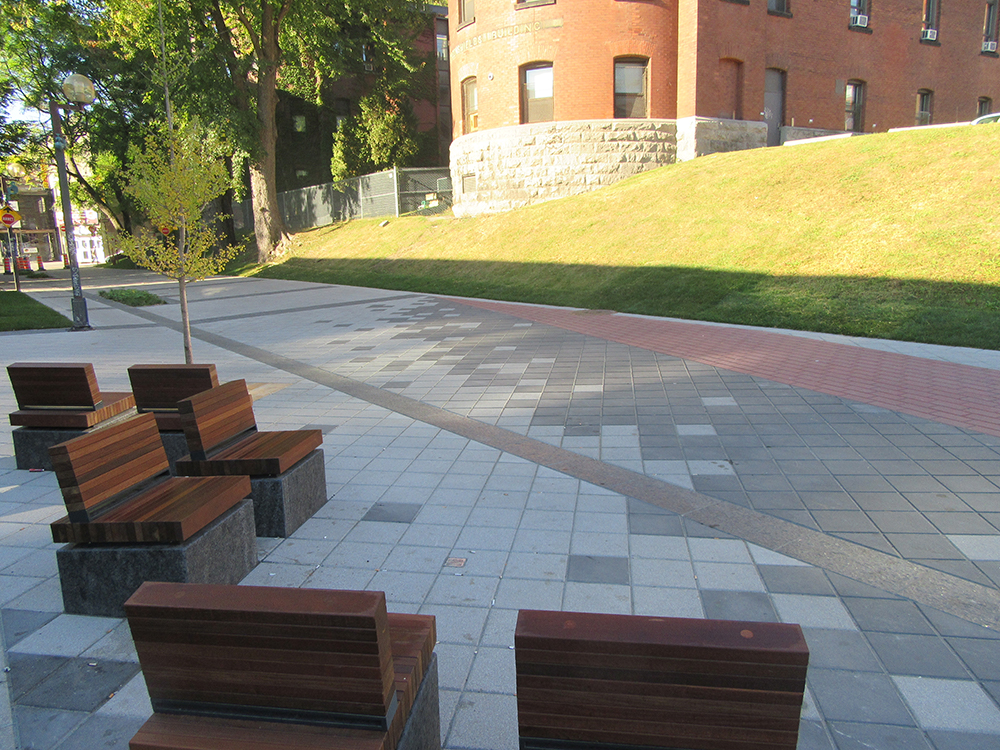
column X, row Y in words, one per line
column 890, row 235
column 18, row 312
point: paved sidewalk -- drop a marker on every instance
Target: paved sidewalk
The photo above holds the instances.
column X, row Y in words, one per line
column 484, row 457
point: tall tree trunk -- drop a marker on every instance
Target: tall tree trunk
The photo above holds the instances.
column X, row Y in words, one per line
column 269, row 225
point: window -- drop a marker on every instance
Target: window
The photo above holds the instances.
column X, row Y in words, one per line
column 470, row 106
column 925, row 104
column 931, row 11
column 859, row 14
column 778, row 6
column 854, row 112
column 442, row 47
column 466, row 11
column 299, row 123
column 630, row 88
column 990, row 27
column 536, row 92
column 984, row 107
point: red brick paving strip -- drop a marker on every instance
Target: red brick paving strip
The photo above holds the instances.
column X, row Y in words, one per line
column 959, row 395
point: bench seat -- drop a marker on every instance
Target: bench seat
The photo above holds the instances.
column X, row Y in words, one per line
column 598, row 680
column 158, row 388
column 62, row 395
column 300, row 669
column 128, row 521
column 286, row 468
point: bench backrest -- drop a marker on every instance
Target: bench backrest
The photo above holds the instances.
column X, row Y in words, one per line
column 160, row 387
column 658, row 681
column 40, row 385
column 215, row 417
column 95, row 469
column 304, row 655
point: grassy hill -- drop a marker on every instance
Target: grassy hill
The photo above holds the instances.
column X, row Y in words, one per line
column 891, row 235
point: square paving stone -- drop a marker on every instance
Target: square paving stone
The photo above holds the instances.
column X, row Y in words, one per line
column 594, row 569
column 840, row 649
column 888, row 616
column 925, row 655
column 27, row 670
column 924, row 546
column 950, row 740
column 866, row 697
column 102, row 731
column 80, row 684
column 855, row 736
column 393, row 512
column 19, row 623
column 981, row 656
column 795, row 579
column 950, row 704
column 738, row 605
column 44, row 728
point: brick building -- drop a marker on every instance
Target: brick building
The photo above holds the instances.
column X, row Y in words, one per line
column 624, row 85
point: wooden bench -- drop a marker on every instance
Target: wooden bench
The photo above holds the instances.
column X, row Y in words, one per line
column 57, row 402
column 129, row 522
column 297, row 669
column 286, row 468
column 598, row 680
column 158, row 388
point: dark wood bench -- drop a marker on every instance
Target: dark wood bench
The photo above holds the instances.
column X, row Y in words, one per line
column 158, row 388
column 598, row 680
column 129, row 522
column 297, row 669
column 286, row 468
column 57, row 402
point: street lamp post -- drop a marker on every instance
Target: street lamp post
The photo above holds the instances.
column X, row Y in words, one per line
column 80, row 92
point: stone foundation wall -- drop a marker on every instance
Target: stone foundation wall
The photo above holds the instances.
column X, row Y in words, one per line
column 791, row 134
column 700, row 136
column 504, row 168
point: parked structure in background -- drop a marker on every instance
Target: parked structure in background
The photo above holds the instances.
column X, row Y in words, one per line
column 552, row 98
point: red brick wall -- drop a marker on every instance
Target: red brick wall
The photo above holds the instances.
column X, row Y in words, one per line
column 686, row 39
column 582, row 50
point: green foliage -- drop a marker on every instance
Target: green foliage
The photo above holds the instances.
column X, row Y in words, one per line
column 173, row 179
column 383, row 136
column 132, row 297
column 19, row 312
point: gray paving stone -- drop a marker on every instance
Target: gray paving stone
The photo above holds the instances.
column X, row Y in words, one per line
column 44, row 728
column 888, row 616
column 856, row 736
column 864, row 697
column 738, row 605
column 980, row 655
column 834, row 648
column 922, row 655
column 950, row 704
column 793, row 579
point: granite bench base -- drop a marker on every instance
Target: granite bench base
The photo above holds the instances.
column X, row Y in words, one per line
column 175, row 445
column 96, row 579
column 283, row 503
column 31, row 444
column 423, row 726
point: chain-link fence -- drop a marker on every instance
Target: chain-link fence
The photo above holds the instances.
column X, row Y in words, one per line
column 394, row 192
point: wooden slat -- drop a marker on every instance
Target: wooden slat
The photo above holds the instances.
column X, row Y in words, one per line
column 71, row 385
column 111, row 404
column 183, row 732
column 214, row 417
column 658, row 681
column 267, row 454
column 168, row 513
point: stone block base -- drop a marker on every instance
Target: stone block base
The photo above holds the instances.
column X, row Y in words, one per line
column 175, row 444
column 31, row 445
column 423, row 726
column 281, row 504
column 96, row 579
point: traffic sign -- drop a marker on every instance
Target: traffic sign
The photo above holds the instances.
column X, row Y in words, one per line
column 10, row 217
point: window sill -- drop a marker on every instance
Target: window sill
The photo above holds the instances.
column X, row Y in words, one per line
column 465, row 24
column 737, row 2
column 931, row 42
column 779, row 13
column 989, row 54
column 519, row 4
column 860, row 29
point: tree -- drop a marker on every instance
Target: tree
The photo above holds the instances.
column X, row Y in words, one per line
column 238, row 53
column 175, row 178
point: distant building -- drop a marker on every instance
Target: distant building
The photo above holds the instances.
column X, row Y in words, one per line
column 552, row 97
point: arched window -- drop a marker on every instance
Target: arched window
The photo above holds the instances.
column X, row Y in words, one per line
column 631, row 86
column 470, row 106
column 536, row 92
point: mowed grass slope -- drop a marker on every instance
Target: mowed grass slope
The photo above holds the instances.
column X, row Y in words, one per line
column 890, row 235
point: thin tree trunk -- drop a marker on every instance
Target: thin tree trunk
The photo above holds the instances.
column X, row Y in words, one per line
column 182, row 291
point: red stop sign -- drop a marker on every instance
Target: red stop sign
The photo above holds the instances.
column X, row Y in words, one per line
column 8, row 219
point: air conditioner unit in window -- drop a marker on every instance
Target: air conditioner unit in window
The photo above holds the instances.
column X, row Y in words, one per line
column 929, row 35
column 859, row 21
column 989, row 46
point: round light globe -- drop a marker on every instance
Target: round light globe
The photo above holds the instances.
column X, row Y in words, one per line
column 78, row 89
column 15, row 170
